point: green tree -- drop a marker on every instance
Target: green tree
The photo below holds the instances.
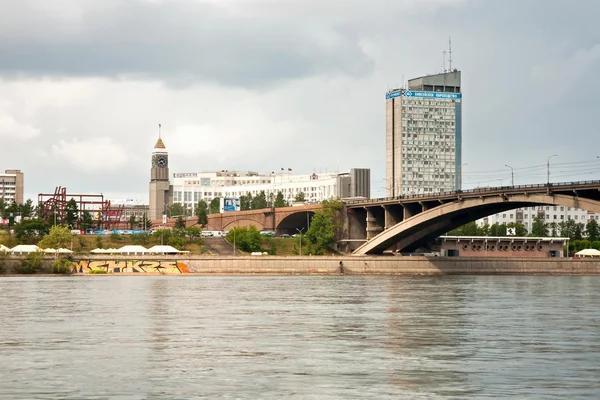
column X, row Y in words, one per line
column 300, row 197
column 59, row 236
column 325, row 227
column 246, row 239
column 27, row 209
column 498, row 230
column 201, row 211
column 553, row 229
column 567, row 229
column 518, row 227
column 180, row 223
column 29, row 230
column 133, row 222
column 539, row 228
column 468, row 229
column 146, row 224
column 71, row 213
column 12, row 212
column 485, row 229
column 4, row 238
column 579, row 231
column 593, row 230
column 175, row 210
column 193, row 233
column 246, row 202
column 3, row 206
column 215, row 206
column 280, row 201
column 260, row 201
column 87, row 221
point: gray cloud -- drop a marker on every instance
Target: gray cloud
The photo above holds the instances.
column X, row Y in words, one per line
column 181, row 42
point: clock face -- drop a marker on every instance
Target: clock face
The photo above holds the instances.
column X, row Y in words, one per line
column 161, row 161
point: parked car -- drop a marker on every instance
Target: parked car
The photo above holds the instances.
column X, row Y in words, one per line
column 284, row 236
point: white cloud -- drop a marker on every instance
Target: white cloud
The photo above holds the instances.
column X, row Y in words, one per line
column 93, row 155
column 11, row 128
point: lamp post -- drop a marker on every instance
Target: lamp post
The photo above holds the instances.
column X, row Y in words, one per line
column 512, row 175
column 300, row 232
column 553, row 155
column 460, row 179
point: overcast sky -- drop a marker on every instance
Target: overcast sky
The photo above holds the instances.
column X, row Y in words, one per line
column 263, row 84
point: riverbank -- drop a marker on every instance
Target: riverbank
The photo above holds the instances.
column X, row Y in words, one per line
column 320, row 265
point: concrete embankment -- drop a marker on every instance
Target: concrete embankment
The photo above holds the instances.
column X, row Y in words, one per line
column 393, row 266
column 305, row 265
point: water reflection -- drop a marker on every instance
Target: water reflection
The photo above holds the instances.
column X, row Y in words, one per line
column 300, row 337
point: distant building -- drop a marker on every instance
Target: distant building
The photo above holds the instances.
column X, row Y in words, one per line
column 548, row 214
column 191, row 187
column 130, row 207
column 423, row 136
column 160, row 189
column 505, row 246
column 11, row 186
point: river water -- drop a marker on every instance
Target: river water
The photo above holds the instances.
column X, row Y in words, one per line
column 264, row 337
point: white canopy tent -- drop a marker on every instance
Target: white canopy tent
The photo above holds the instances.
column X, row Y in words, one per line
column 133, row 249
column 4, row 249
column 588, row 253
column 25, row 249
column 165, row 250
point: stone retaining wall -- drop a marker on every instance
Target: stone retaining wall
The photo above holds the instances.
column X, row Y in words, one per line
column 382, row 265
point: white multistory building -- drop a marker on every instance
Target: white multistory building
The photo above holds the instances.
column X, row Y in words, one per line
column 548, row 214
column 189, row 188
column 424, row 136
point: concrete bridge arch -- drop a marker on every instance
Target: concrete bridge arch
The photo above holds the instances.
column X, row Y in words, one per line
column 430, row 224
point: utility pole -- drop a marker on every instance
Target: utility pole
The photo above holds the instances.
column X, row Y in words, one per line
column 553, row 155
column 300, row 232
column 512, row 175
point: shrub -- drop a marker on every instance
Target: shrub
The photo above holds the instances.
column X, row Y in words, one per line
column 98, row 242
column 98, row 272
column 246, row 239
column 33, row 264
column 2, row 262
column 61, row 266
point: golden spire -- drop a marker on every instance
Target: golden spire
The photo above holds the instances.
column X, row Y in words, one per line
column 159, row 143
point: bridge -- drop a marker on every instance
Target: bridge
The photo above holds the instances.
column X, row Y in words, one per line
column 409, row 222
column 281, row 220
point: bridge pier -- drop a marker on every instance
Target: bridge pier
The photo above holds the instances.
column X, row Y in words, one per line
column 410, row 210
column 375, row 221
column 393, row 215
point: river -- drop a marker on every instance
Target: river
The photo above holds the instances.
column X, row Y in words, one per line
column 311, row 337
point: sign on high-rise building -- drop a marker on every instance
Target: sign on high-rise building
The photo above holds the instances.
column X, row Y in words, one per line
column 423, row 136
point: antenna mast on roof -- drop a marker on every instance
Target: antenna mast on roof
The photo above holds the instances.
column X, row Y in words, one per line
column 450, row 52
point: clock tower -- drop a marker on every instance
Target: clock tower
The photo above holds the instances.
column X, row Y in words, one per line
column 160, row 189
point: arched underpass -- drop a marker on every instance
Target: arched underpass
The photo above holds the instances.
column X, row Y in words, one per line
column 294, row 223
column 424, row 227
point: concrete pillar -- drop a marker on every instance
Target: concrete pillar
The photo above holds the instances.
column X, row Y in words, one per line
column 374, row 224
column 411, row 209
column 393, row 215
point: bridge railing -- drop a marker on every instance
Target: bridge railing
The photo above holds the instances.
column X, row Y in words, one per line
column 475, row 190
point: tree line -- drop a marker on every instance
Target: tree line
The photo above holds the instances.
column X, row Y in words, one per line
column 582, row 235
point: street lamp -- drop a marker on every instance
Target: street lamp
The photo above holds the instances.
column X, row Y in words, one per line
column 553, row 155
column 300, row 232
column 512, row 175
